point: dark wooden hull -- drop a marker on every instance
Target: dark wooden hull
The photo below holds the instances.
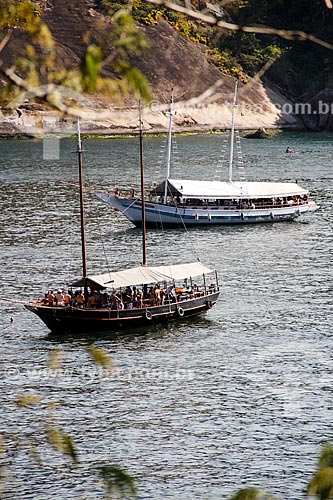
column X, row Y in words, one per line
column 61, row 320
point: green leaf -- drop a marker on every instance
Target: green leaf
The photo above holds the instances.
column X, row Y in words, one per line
column 90, row 67
column 128, row 39
column 321, row 485
column 35, row 453
column 2, row 445
column 135, row 79
column 326, row 457
column 62, row 442
column 101, row 357
column 69, row 448
column 117, row 481
column 54, row 359
column 24, row 400
column 251, row 494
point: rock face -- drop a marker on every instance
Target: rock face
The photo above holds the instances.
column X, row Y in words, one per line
column 316, row 112
column 203, row 95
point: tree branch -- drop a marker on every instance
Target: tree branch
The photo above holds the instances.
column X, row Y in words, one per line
column 266, row 30
column 5, row 40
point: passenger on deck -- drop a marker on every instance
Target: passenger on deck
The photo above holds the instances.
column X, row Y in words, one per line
column 119, row 301
column 59, row 298
column 151, row 296
column 50, row 298
column 157, row 295
column 171, row 293
column 139, row 298
column 67, row 299
column 79, row 299
column 92, row 300
column 45, row 300
column 127, row 298
column 113, row 301
column 104, row 300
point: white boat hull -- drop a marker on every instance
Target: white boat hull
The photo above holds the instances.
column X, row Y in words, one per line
column 168, row 215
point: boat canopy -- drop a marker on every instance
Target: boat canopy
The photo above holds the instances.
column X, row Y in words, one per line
column 144, row 275
column 214, row 190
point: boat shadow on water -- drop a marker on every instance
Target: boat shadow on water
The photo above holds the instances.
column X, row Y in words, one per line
column 158, row 331
column 216, row 229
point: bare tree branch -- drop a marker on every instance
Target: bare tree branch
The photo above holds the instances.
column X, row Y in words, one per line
column 5, row 40
column 266, row 30
column 258, row 76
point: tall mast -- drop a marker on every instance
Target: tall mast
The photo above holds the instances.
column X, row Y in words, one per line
column 83, row 236
column 167, row 175
column 143, row 207
column 232, row 137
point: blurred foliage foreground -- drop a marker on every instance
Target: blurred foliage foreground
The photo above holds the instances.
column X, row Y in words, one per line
column 39, row 438
column 39, row 71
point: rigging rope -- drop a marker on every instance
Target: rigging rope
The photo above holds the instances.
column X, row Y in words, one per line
column 186, row 230
column 99, row 227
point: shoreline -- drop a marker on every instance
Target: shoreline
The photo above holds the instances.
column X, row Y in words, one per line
column 125, row 134
column 103, row 120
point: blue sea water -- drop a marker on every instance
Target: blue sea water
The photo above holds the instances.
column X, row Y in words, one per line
column 241, row 397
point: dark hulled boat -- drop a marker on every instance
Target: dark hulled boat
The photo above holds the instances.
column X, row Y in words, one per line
column 175, row 301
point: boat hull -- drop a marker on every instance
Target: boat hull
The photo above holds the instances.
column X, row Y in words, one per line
column 158, row 214
column 72, row 320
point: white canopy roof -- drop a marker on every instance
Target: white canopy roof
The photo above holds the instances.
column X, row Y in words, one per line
column 144, row 275
column 226, row 190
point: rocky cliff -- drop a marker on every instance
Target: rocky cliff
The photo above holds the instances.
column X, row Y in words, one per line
column 202, row 93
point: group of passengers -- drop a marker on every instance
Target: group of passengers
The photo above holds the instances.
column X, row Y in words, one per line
column 61, row 298
column 235, row 203
column 129, row 298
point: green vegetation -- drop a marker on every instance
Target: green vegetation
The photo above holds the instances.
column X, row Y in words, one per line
column 243, row 54
column 147, row 14
column 303, row 66
column 232, row 53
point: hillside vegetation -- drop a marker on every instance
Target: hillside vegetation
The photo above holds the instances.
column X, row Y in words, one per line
column 174, row 50
column 300, row 66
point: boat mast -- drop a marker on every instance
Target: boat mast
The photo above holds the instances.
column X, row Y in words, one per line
column 143, row 205
column 83, row 236
column 171, row 114
column 232, row 137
